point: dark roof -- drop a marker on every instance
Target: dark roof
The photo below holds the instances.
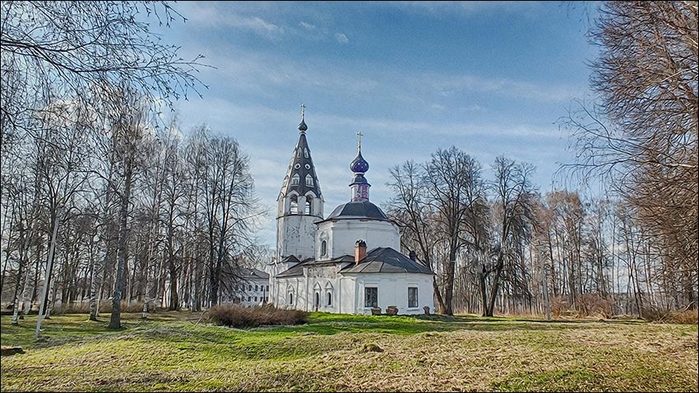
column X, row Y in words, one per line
column 387, row 260
column 291, row 258
column 301, row 164
column 251, row 274
column 297, row 270
column 363, row 209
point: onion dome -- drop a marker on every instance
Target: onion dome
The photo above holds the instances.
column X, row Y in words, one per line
column 359, row 164
column 302, row 126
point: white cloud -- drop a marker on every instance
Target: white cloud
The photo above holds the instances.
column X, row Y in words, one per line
column 212, row 15
column 469, row 8
column 341, row 38
column 263, row 74
column 307, row 26
column 474, row 108
column 447, row 85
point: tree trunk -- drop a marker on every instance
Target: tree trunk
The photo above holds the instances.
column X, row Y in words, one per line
column 174, row 298
column 494, row 287
column 47, row 279
column 449, row 287
column 483, row 289
column 115, row 319
column 440, row 302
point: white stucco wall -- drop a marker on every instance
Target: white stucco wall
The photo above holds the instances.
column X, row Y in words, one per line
column 393, row 291
column 296, row 236
column 348, row 291
column 341, row 236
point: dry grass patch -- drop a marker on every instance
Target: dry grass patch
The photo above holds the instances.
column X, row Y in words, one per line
column 337, row 353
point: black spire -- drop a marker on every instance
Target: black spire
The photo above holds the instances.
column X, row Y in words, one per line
column 301, row 174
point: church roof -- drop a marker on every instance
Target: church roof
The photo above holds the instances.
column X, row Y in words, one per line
column 252, row 274
column 297, row 270
column 378, row 260
column 387, row 260
column 301, row 165
column 361, row 209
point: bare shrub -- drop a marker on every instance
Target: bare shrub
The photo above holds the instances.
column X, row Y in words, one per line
column 559, row 306
column 591, row 304
column 234, row 315
column 687, row 317
column 662, row 315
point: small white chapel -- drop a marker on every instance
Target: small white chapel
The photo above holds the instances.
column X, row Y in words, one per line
column 348, row 262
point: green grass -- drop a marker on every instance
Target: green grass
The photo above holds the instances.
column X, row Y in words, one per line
column 175, row 352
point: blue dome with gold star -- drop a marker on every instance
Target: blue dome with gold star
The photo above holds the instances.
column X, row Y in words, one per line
column 359, row 164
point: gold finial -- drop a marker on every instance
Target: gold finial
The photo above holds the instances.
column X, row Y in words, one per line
column 359, row 140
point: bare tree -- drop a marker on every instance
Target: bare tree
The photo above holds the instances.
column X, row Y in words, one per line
column 416, row 218
column 513, row 202
column 80, row 45
column 643, row 134
column 228, row 205
column 128, row 130
column 173, row 193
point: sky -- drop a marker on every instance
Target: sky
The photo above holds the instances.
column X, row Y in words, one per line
column 491, row 78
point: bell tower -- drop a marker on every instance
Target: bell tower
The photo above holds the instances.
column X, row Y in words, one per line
column 299, row 204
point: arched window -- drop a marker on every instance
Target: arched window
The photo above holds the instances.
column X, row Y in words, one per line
column 317, row 301
column 295, row 179
column 294, row 205
column 309, row 180
column 291, row 298
column 307, row 208
column 305, row 152
column 328, row 294
column 323, row 248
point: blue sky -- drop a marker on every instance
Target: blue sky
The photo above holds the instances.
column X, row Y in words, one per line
column 491, row 78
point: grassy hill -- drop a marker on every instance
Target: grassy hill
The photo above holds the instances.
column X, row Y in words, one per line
column 176, row 351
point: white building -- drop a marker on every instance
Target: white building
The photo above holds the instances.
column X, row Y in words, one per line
column 252, row 289
column 348, row 262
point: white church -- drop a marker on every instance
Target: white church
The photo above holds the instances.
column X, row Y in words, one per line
column 348, row 262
